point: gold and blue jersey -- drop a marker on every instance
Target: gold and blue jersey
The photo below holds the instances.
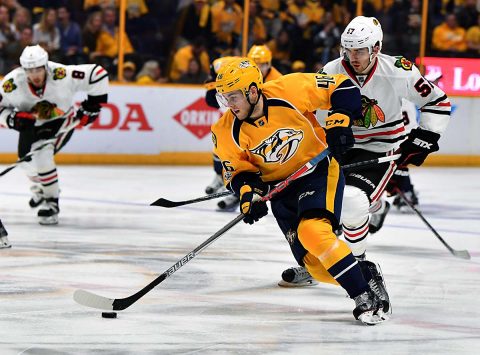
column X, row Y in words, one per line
column 287, row 135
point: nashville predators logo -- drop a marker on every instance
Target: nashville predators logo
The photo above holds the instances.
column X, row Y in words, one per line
column 371, row 112
column 9, row 86
column 280, row 146
column 59, row 73
column 403, row 63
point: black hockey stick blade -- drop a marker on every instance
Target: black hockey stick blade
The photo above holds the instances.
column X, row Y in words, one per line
column 93, row 300
column 163, row 202
column 463, row 254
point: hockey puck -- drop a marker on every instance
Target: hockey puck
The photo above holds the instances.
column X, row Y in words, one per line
column 109, row 315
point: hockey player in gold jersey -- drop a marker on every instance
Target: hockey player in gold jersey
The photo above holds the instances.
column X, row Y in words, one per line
column 264, row 136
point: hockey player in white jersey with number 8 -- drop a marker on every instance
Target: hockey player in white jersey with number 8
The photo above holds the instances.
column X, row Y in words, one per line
column 37, row 100
column 383, row 81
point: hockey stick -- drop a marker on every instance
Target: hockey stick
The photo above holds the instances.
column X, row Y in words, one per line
column 463, row 254
column 93, row 300
column 66, row 129
column 163, row 202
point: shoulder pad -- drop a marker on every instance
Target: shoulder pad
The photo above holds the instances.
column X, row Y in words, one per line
column 98, row 73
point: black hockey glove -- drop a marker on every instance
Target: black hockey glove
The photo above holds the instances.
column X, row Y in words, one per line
column 20, row 121
column 339, row 134
column 48, row 129
column 250, row 187
column 417, row 146
column 88, row 112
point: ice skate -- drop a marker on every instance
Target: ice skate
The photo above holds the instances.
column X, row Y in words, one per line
column 37, row 196
column 215, row 186
column 402, row 206
column 48, row 212
column 377, row 283
column 368, row 308
column 4, row 242
column 378, row 217
column 297, row 277
column 228, row 204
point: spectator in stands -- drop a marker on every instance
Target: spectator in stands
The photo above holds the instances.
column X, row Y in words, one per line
column 151, row 73
column 108, row 39
column 448, row 38
column 281, row 48
column 182, row 58
column 47, row 35
column 197, row 20
column 467, row 13
column 129, row 72
column 298, row 66
column 270, row 13
column 226, row 28
column 6, row 35
column 302, row 17
column 473, row 39
column 70, row 36
column 21, row 19
column 256, row 27
column 14, row 49
column 326, row 39
column 194, row 74
column 90, row 33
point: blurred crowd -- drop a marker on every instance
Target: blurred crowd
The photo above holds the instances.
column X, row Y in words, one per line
column 175, row 41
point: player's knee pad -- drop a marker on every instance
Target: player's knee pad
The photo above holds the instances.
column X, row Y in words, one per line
column 317, row 237
column 355, row 206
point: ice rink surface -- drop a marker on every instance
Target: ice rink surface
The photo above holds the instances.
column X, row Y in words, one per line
column 226, row 300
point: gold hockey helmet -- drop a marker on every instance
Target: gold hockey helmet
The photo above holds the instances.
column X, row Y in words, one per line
column 260, row 54
column 238, row 74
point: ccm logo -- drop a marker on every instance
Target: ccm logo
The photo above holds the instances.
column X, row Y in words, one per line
column 422, row 144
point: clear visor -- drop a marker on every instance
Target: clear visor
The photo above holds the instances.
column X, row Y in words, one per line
column 229, row 99
column 359, row 53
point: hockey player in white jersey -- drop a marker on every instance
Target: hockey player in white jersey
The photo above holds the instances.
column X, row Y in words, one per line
column 383, row 81
column 36, row 99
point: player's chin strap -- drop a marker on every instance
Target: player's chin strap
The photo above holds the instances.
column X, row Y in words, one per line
column 252, row 106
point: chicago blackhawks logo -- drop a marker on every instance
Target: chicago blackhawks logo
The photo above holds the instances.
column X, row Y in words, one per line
column 371, row 113
column 59, row 73
column 403, row 63
column 280, row 146
column 9, row 85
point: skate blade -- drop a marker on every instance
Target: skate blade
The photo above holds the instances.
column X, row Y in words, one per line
column 306, row 283
column 48, row 221
column 371, row 318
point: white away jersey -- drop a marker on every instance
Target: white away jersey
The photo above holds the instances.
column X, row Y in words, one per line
column 391, row 79
column 63, row 81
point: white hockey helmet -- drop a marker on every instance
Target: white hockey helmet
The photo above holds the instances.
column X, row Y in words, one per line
column 33, row 57
column 362, row 32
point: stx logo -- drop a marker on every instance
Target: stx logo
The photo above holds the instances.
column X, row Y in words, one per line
column 422, row 144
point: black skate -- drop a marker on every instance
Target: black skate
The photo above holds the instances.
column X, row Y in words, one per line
column 37, row 196
column 378, row 217
column 228, row 204
column 297, row 277
column 368, row 308
column 4, row 242
column 215, row 186
column 48, row 212
column 373, row 273
column 401, row 206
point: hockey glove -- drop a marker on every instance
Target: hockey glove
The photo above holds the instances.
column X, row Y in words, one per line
column 20, row 121
column 88, row 112
column 339, row 134
column 250, row 204
column 48, row 129
column 417, row 146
